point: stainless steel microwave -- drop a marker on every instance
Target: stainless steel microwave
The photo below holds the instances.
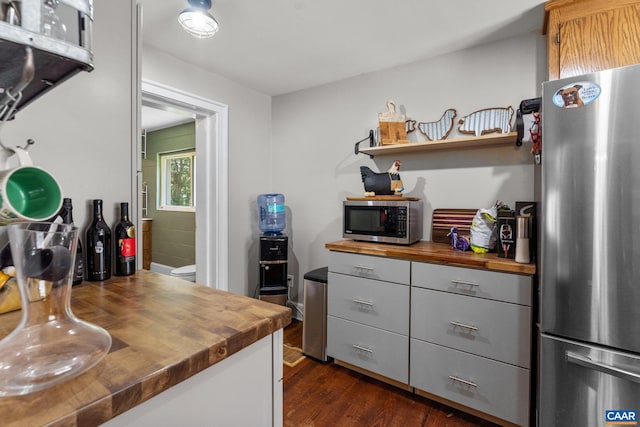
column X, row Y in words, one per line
column 398, row 222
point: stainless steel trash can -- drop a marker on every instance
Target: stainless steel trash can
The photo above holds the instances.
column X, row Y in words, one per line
column 314, row 323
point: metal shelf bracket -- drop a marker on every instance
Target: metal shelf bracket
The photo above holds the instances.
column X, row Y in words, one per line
column 371, row 144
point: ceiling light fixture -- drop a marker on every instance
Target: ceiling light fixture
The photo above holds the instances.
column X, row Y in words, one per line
column 197, row 21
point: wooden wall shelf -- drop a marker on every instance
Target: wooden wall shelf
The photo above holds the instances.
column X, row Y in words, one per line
column 493, row 139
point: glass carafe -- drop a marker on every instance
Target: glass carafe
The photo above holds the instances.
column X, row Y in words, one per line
column 50, row 344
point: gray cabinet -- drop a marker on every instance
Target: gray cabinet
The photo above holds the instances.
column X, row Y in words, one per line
column 484, row 327
column 486, row 385
column 382, row 352
column 491, row 285
column 471, row 338
column 371, row 267
column 457, row 334
column 382, row 305
column 368, row 313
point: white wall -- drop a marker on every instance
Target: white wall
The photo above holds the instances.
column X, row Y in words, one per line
column 82, row 128
column 249, row 153
column 314, row 132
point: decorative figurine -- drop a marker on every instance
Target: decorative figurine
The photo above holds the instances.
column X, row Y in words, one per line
column 382, row 183
column 458, row 242
column 440, row 129
column 486, row 121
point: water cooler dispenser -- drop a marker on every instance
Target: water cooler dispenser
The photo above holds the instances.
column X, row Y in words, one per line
column 273, row 249
column 273, row 268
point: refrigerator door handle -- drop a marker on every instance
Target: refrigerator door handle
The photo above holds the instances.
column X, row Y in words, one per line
column 602, row 367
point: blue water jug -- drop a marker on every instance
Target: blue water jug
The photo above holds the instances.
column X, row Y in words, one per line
column 272, row 217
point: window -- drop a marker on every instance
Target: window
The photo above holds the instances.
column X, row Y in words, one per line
column 177, row 181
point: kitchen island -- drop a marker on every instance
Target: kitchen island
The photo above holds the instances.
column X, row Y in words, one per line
column 170, row 338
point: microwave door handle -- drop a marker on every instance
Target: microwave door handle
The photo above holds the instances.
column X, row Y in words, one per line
column 602, row 367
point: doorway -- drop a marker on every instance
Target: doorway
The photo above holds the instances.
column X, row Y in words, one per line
column 168, row 190
column 211, row 134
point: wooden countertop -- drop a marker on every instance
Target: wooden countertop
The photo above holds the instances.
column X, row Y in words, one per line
column 164, row 330
column 437, row 253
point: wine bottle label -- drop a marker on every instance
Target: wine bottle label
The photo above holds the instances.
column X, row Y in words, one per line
column 99, row 248
column 127, row 247
column 79, row 269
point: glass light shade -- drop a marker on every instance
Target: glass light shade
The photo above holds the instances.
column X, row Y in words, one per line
column 198, row 22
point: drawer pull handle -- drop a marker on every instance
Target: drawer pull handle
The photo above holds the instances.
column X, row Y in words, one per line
column 462, row 282
column 460, row 380
column 359, row 347
column 462, row 325
column 363, row 267
column 367, row 303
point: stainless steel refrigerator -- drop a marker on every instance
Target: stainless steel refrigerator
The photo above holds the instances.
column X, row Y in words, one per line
column 590, row 258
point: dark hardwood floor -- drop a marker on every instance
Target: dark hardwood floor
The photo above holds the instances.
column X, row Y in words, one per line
column 319, row 395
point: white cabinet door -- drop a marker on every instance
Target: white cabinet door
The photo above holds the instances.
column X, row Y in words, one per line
column 219, row 395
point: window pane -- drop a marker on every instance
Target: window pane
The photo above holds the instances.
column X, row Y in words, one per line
column 180, row 181
column 177, row 177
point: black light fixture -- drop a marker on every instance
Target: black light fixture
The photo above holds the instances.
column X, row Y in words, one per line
column 197, row 21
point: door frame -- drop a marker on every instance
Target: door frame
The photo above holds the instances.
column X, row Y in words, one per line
column 212, row 188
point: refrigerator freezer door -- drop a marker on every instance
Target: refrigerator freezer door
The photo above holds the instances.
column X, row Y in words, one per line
column 580, row 383
column 590, row 268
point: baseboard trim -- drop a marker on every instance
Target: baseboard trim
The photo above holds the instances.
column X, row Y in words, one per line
column 464, row 408
column 378, row 377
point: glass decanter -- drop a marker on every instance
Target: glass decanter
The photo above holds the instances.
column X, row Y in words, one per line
column 50, row 344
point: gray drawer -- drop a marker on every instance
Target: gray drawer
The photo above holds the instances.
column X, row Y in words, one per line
column 379, row 304
column 382, row 352
column 488, row 386
column 502, row 331
column 370, row 267
column 506, row 287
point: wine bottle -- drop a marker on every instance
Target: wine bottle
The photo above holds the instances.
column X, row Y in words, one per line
column 125, row 243
column 66, row 216
column 98, row 246
column 6, row 259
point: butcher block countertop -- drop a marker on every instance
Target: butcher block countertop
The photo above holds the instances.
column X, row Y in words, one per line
column 437, row 253
column 164, row 330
